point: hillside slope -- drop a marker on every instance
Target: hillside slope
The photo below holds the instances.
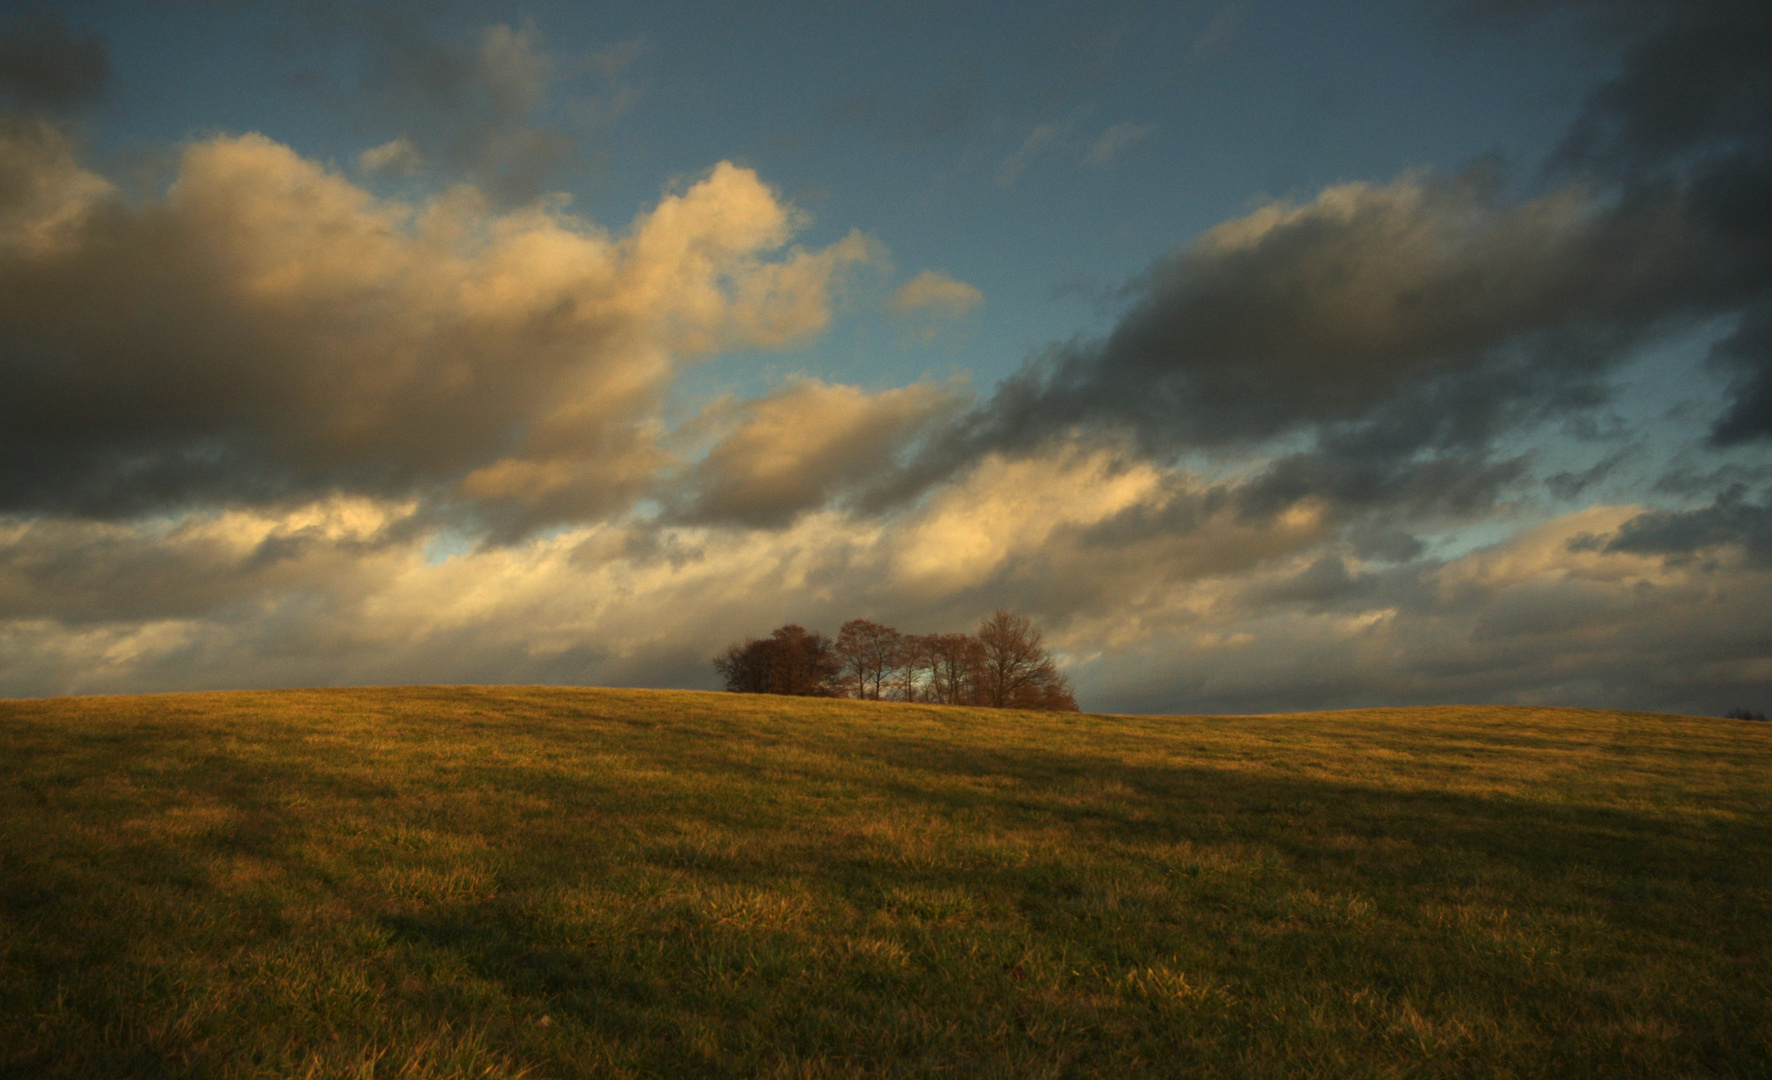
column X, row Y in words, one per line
column 552, row 882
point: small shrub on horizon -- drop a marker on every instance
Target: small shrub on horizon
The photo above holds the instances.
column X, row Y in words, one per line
column 1744, row 714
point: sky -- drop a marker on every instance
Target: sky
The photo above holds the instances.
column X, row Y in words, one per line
column 1269, row 356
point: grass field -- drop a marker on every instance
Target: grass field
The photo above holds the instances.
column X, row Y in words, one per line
column 443, row 882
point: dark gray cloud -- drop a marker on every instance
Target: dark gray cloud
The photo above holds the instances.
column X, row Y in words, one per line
column 1694, row 78
column 1747, row 356
column 1691, row 106
column 491, row 105
column 1401, row 330
column 1323, row 585
column 1570, row 484
column 45, row 64
column 1731, row 521
column 472, row 101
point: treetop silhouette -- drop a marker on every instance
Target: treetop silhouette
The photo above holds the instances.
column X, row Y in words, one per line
column 1004, row 665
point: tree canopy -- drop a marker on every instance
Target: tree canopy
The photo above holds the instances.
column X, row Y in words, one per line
column 792, row 660
column 1004, row 665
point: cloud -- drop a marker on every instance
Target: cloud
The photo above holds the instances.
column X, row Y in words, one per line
column 1690, row 114
column 1400, row 330
column 1006, row 512
column 1109, row 144
column 397, row 157
column 511, row 70
column 342, row 589
column 495, row 106
column 1327, row 311
column 1729, row 523
column 1218, row 32
column 1049, row 63
column 44, row 192
column 1694, row 76
column 1058, row 136
column 799, row 448
column 267, row 331
column 46, row 65
column 485, row 94
column 1046, row 136
column 83, row 574
column 1215, row 610
column 935, row 293
column 266, row 427
column 1527, row 621
column 1746, row 356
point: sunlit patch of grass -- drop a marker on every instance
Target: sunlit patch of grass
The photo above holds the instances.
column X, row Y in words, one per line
column 443, row 882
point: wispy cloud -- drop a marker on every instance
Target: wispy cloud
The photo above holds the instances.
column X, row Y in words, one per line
column 1060, row 137
column 936, row 293
column 1108, row 146
column 496, row 105
column 1218, row 32
column 396, row 157
column 1043, row 138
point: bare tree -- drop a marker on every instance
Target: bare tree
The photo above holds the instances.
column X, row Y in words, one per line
column 1016, row 671
column 870, row 654
column 954, row 662
column 916, row 670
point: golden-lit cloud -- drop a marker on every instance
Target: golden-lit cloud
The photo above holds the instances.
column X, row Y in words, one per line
column 1006, row 511
column 396, row 157
column 796, row 449
column 267, row 327
column 935, row 293
column 300, row 432
column 1275, row 613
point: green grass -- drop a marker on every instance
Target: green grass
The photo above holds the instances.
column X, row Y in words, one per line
column 441, row 882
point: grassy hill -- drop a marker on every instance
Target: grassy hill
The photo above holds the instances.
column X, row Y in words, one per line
column 441, row 882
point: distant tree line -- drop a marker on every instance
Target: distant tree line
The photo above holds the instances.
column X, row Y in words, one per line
column 1004, row 665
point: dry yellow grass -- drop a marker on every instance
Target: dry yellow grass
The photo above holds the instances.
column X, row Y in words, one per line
column 506, row 881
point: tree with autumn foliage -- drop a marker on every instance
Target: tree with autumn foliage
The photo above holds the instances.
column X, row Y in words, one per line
column 792, row 660
column 1005, row 665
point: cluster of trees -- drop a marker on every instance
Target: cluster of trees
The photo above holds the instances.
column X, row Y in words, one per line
column 1005, row 665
